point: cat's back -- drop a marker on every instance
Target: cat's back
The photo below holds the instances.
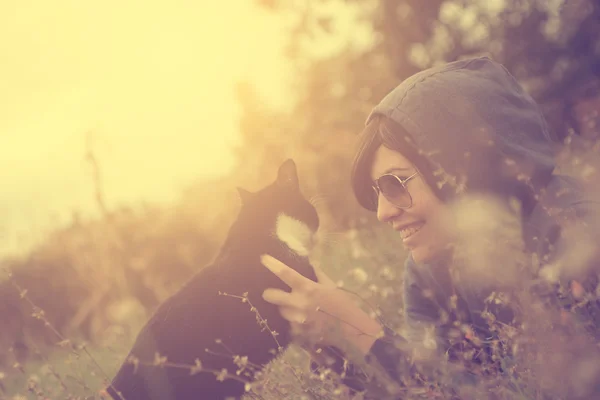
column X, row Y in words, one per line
column 210, row 295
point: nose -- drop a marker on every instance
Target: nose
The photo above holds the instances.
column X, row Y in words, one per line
column 386, row 211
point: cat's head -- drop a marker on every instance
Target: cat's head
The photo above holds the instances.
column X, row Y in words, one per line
column 280, row 211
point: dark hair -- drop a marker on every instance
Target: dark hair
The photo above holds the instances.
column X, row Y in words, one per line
column 383, row 131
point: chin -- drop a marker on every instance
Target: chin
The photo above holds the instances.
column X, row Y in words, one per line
column 426, row 254
column 420, row 256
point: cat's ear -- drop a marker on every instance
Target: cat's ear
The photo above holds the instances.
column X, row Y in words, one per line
column 244, row 195
column 288, row 175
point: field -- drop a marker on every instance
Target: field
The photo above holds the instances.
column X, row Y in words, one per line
column 46, row 355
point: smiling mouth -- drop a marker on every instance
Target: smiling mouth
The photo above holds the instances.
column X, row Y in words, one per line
column 410, row 230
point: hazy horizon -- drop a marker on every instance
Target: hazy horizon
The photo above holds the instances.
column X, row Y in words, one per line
column 153, row 83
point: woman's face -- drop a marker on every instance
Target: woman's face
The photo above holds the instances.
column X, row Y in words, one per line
column 421, row 226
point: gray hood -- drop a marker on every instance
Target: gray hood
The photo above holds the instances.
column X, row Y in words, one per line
column 477, row 127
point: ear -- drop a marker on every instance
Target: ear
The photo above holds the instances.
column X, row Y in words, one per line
column 288, row 175
column 244, row 195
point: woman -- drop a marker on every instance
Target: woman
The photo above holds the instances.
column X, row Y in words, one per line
column 458, row 130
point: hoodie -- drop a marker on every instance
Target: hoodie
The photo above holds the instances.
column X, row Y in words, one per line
column 476, row 125
column 482, row 134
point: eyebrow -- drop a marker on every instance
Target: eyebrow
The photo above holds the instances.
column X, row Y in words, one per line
column 399, row 169
column 393, row 169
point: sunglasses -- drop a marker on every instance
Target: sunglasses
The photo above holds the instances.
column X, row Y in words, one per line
column 393, row 189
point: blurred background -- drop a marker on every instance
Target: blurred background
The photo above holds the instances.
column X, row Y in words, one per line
column 126, row 126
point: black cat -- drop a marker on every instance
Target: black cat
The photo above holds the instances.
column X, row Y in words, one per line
column 278, row 221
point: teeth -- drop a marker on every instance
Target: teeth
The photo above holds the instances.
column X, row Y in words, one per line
column 409, row 231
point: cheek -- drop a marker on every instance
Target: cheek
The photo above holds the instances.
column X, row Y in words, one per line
column 443, row 225
column 424, row 200
column 438, row 218
column 426, row 206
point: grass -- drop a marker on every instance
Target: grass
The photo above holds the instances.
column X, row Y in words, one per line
column 549, row 354
column 68, row 370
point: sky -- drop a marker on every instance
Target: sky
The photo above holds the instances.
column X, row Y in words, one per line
column 150, row 82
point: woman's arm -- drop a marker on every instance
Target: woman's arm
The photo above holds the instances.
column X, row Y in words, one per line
column 386, row 355
column 389, row 350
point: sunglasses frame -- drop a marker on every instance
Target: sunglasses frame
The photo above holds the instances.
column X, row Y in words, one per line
column 402, row 182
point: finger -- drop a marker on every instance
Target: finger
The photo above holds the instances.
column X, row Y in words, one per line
column 293, row 315
column 282, row 298
column 298, row 329
column 290, row 277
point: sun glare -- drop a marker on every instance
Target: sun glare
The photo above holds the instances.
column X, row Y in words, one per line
column 151, row 82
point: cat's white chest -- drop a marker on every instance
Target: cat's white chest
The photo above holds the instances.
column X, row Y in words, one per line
column 296, row 234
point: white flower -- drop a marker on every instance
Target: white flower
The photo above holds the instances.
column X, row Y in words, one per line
column 359, row 275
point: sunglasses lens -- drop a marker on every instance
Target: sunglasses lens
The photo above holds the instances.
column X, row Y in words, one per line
column 393, row 190
column 373, row 199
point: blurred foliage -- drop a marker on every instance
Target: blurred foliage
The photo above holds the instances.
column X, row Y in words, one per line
column 100, row 279
column 550, row 46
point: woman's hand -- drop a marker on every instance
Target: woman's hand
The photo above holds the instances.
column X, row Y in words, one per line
column 320, row 310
